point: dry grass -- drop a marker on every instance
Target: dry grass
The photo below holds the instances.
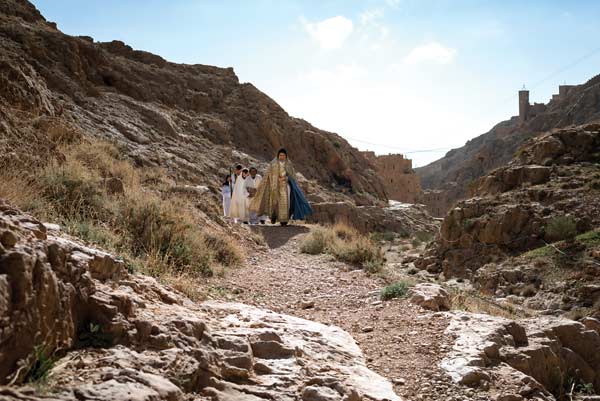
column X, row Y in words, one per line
column 185, row 284
column 345, row 244
column 18, row 189
column 162, row 233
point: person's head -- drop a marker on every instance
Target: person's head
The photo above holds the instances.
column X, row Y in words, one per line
column 227, row 180
column 238, row 169
column 253, row 172
column 245, row 173
column 282, row 154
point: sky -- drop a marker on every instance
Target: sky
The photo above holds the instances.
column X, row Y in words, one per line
column 394, row 76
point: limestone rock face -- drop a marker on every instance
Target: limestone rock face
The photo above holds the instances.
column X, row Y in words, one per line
column 121, row 337
column 554, row 175
column 197, row 121
column 402, row 218
column 533, row 357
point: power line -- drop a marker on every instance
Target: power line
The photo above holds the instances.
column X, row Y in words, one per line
column 565, row 68
column 535, row 85
column 403, row 150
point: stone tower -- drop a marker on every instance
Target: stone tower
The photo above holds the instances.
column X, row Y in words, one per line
column 523, row 104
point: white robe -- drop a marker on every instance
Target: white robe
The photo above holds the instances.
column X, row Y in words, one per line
column 226, row 190
column 239, row 203
column 254, row 183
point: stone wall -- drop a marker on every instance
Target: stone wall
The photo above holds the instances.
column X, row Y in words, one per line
column 399, row 179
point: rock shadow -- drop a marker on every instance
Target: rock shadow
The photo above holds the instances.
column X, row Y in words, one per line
column 277, row 236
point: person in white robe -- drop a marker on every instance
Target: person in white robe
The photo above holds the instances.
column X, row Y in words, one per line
column 252, row 183
column 236, row 172
column 226, row 192
column 239, row 199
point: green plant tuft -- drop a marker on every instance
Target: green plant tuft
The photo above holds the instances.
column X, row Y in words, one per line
column 396, row 290
column 561, row 228
column 40, row 369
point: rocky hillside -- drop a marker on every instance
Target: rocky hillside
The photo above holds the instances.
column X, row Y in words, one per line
column 460, row 167
column 196, row 120
column 548, row 194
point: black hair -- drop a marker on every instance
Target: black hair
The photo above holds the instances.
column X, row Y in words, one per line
column 282, row 150
column 253, row 168
column 238, row 167
column 226, row 178
column 245, row 170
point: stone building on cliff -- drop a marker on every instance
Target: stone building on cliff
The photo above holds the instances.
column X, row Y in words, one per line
column 528, row 111
column 396, row 172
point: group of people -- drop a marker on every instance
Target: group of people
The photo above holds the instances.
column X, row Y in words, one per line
column 238, row 190
column 250, row 198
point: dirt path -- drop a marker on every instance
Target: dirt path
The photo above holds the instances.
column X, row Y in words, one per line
column 400, row 341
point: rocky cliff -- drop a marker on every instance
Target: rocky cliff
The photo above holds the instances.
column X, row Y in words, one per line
column 196, row 120
column 553, row 175
column 460, row 167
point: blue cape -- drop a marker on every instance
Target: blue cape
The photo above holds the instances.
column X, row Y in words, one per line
column 299, row 206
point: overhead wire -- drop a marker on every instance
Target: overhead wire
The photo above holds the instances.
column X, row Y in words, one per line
column 535, row 85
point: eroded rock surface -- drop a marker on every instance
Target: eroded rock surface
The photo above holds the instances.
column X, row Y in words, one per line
column 554, row 175
column 404, row 219
column 121, row 337
column 532, row 358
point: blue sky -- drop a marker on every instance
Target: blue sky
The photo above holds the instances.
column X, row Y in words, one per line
column 406, row 74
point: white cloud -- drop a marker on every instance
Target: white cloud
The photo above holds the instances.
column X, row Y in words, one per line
column 432, row 52
column 370, row 16
column 330, row 33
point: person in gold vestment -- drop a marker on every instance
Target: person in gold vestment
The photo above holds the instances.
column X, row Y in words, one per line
column 272, row 196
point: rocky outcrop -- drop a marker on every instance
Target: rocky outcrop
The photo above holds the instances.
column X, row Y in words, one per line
column 194, row 120
column 454, row 173
column 554, row 175
column 401, row 218
column 113, row 335
column 542, row 358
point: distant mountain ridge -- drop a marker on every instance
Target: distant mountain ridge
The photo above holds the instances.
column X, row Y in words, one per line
column 462, row 166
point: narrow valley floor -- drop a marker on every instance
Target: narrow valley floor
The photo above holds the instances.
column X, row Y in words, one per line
column 400, row 341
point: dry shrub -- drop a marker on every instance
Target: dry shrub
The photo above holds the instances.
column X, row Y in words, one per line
column 59, row 131
column 317, row 241
column 561, row 228
column 19, row 189
column 345, row 232
column 72, row 190
column 360, row 251
column 345, row 244
column 225, row 251
column 185, row 284
column 166, row 232
column 162, row 235
column 105, row 158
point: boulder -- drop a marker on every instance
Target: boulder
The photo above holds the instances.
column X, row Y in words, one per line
column 430, row 296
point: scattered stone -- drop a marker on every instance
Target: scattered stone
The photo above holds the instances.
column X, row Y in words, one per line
column 307, row 304
column 367, row 329
column 430, row 296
